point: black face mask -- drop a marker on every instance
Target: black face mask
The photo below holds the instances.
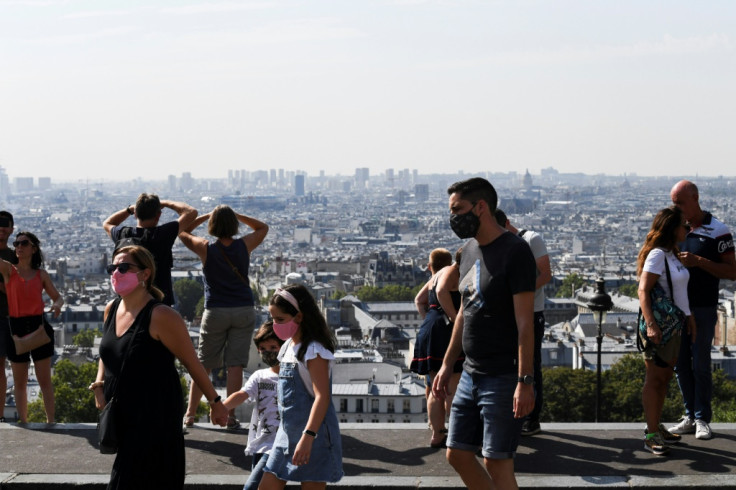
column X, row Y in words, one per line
column 465, row 225
column 270, row 357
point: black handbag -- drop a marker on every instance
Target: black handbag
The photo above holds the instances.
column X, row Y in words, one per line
column 108, row 429
column 667, row 314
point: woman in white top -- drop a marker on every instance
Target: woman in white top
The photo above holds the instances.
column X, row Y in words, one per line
column 658, row 254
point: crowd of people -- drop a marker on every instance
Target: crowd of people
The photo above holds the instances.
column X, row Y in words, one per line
column 479, row 347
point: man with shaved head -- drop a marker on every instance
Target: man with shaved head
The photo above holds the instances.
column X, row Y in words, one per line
column 708, row 253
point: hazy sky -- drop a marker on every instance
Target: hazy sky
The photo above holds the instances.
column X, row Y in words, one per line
column 119, row 89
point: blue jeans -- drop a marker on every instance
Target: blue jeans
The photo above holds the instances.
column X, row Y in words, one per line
column 693, row 368
column 256, row 471
column 483, row 416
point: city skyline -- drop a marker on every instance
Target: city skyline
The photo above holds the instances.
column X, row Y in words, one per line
column 120, row 90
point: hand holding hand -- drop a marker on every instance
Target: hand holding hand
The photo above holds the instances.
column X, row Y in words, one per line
column 218, row 414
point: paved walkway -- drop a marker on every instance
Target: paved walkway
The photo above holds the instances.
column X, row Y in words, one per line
column 393, row 456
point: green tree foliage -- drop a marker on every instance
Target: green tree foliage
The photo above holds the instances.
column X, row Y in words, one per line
column 570, row 283
column 392, row 292
column 199, row 310
column 569, row 395
column 630, row 290
column 339, row 295
column 74, row 402
column 188, row 292
column 86, row 338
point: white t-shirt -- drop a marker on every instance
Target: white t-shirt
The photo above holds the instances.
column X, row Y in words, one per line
column 262, row 389
column 288, row 354
column 654, row 264
column 539, row 250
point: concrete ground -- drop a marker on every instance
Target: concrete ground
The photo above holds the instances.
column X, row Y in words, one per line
column 395, row 456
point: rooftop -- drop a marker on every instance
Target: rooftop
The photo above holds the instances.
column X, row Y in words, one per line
column 389, row 456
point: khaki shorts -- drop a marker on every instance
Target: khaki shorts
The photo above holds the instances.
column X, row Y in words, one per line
column 663, row 355
column 225, row 336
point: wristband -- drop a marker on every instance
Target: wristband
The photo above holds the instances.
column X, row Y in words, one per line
column 217, row 399
column 310, row 433
column 129, row 211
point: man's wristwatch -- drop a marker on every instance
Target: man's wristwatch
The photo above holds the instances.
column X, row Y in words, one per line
column 527, row 379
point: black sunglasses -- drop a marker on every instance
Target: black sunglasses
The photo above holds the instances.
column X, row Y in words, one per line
column 123, row 267
column 21, row 243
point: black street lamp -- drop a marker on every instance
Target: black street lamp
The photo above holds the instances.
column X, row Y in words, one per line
column 600, row 303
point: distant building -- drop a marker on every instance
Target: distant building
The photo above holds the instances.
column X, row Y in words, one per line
column 299, row 185
column 23, row 184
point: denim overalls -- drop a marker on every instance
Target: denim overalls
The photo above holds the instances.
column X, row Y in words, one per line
column 295, row 404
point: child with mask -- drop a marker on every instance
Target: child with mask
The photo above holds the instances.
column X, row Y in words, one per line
column 262, row 389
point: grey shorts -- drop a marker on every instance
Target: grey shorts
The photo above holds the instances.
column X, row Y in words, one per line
column 225, row 336
column 663, row 355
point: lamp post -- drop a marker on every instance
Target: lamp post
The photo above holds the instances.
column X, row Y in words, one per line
column 600, row 303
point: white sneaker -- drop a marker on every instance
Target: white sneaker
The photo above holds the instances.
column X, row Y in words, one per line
column 685, row 426
column 702, row 430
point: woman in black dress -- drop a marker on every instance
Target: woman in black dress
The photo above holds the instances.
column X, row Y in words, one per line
column 439, row 300
column 151, row 453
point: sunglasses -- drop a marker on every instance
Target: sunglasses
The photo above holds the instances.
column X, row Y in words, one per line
column 123, row 267
column 21, row 243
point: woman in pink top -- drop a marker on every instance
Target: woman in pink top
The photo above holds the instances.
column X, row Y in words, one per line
column 25, row 283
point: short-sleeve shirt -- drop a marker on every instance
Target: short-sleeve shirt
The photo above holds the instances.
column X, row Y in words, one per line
column 9, row 255
column 490, row 276
column 162, row 239
column 262, row 389
column 539, row 250
column 679, row 274
column 711, row 240
column 288, row 354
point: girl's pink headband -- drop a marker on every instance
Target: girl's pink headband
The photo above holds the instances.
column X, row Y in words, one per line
column 288, row 297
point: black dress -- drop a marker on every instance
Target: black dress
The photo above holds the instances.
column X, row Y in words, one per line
column 151, row 453
column 434, row 337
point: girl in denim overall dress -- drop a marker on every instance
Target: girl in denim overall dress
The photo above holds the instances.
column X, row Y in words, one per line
column 308, row 448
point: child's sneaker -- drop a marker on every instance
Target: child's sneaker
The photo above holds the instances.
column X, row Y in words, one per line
column 685, row 426
column 654, row 443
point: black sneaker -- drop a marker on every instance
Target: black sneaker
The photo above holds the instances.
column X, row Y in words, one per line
column 530, row 427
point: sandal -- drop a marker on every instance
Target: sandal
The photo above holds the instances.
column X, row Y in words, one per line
column 189, row 421
column 434, row 443
column 233, row 423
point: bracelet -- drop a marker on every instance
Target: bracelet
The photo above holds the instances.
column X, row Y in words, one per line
column 310, row 433
column 95, row 385
column 217, row 399
column 129, row 211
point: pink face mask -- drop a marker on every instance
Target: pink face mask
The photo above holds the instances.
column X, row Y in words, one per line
column 124, row 284
column 285, row 331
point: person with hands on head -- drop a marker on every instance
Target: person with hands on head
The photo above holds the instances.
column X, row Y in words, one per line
column 25, row 283
column 229, row 307
column 658, row 259
column 495, row 329
column 308, row 447
column 158, row 239
column 151, row 452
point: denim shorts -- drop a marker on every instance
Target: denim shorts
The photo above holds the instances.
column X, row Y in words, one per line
column 482, row 416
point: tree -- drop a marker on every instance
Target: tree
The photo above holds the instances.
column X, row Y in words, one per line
column 86, row 338
column 569, row 285
column 74, row 401
column 630, row 290
column 188, row 292
column 199, row 310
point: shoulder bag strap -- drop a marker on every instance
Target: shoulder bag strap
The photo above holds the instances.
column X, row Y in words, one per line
column 669, row 278
column 232, row 266
column 146, row 318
